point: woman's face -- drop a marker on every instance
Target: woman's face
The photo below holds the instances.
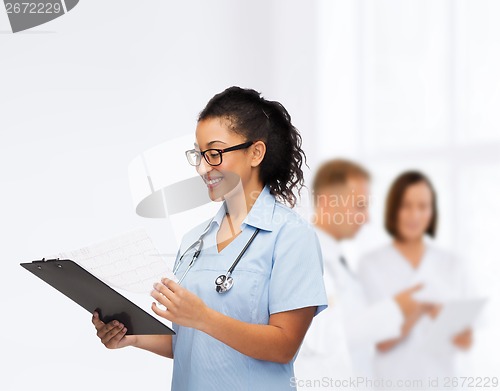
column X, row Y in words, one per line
column 236, row 165
column 415, row 213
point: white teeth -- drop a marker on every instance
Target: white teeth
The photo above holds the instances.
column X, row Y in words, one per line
column 214, row 181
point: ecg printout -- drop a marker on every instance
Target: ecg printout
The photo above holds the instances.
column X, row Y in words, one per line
column 128, row 261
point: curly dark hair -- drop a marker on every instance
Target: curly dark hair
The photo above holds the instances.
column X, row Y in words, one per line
column 249, row 114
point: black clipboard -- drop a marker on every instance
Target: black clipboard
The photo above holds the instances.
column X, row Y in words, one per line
column 92, row 294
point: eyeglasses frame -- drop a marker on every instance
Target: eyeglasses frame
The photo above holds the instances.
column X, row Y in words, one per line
column 220, row 151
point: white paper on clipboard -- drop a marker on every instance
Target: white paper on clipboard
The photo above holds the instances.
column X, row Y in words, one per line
column 129, row 261
column 454, row 317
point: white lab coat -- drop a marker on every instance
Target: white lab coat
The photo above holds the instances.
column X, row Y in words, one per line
column 386, row 272
column 341, row 341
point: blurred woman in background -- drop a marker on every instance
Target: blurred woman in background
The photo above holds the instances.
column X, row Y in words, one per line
column 411, row 215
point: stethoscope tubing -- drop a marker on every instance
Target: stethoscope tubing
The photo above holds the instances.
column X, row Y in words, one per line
column 196, row 254
column 230, row 270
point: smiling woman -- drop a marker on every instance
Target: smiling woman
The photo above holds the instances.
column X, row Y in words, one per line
column 250, row 117
column 246, row 338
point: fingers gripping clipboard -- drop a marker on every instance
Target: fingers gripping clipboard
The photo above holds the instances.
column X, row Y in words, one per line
column 92, row 294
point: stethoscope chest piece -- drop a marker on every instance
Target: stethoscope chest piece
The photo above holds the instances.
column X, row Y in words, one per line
column 223, row 283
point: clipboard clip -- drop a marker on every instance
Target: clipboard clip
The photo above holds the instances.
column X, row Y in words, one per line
column 43, row 261
column 46, row 260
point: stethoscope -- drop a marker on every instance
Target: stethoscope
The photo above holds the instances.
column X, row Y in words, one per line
column 224, row 282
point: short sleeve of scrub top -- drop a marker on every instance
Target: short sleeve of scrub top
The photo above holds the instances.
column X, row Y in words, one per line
column 280, row 271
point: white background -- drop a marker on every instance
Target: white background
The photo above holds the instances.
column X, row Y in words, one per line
column 392, row 84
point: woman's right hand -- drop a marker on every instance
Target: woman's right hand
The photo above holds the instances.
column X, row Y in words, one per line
column 112, row 334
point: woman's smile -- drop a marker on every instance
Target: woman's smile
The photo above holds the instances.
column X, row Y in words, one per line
column 212, row 182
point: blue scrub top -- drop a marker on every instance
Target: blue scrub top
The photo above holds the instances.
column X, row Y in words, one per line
column 282, row 270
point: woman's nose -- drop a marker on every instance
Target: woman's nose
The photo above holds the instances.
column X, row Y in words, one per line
column 204, row 167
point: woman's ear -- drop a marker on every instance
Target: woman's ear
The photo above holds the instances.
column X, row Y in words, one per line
column 258, row 151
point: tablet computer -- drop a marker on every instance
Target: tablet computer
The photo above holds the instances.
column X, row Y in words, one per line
column 92, row 294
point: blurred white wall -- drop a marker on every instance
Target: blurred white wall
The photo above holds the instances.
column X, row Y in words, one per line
column 392, row 84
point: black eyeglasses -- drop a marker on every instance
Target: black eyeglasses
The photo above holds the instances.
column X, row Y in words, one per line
column 212, row 156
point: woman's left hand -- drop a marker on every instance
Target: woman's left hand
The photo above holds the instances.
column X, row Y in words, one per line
column 182, row 307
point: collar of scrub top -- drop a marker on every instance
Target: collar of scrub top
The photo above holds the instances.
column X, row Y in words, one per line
column 259, row 217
